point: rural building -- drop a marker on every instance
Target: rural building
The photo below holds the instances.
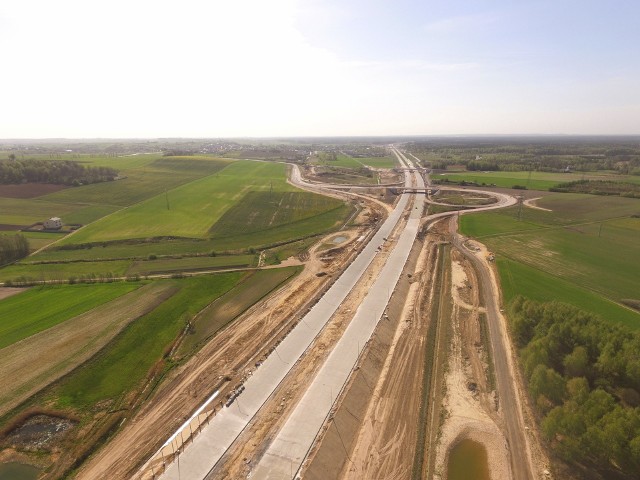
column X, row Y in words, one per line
column 54, row 223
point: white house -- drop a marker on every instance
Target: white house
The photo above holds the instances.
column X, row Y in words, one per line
column 54, row 223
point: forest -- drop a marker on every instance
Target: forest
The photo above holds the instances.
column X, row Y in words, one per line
column 599, row 187
column 13, row 247
column 584, row 378
column 61, row 172
column 584, row 154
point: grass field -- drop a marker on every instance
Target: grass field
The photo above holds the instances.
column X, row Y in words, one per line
column 40, row 308
column 130, row 357
column 521, row 279
column 63, row 271
column 141, row 183
column 124, row 250
column 378, row 162
column 585, row 250
column 18, row 211
column 31, row 364
column 36, row 239
column 189, row 210
column 168, row 265
column 259, row 211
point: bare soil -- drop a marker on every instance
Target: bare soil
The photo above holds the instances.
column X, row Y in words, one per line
column 470, row 402
column 29, row 190
column 6, row 292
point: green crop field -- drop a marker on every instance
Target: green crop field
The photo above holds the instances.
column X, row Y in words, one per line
column 519, row 279
column 128, row 359
column 40, row 308
column 259, row 211
column 168, row 265
column 585, row 250
column 64, row 271
column 24, row 212
column 189, row 210
column 141, row 183
column 379, row 162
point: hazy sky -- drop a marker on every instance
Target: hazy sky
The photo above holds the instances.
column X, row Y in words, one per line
column 209, row 68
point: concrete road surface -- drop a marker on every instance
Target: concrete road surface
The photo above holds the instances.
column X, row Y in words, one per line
column 202, row 455
column 283, row 458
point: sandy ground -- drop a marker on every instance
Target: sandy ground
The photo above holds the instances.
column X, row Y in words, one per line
column 6, row 292
column 470, row 411
column 531, row 203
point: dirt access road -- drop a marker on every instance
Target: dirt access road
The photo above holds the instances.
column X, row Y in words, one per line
column 507, row 386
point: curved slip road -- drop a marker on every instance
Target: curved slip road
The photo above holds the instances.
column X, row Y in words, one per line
column 210, row 445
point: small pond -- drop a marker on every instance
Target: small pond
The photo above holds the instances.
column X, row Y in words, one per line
column 468, row 461
column 339, row 239
column 18, row 471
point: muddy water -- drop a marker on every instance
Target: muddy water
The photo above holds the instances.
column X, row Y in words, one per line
column 338, row 240
column 18, row 471
column 468, row 461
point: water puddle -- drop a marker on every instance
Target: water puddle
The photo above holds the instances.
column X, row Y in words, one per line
column 18, row 471
column 338, row 240
column 468, row 460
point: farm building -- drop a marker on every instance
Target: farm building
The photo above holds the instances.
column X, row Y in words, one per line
column 54, row 223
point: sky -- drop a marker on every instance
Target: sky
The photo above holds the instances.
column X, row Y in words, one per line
column 257, row 68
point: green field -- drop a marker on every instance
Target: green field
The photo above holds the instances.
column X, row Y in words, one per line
column 127, row 361
column 379, row 162
column 63, row 271
column 260, row 211
column 520, row 279
column 40, row 308
column 190, row 264
column 140, row 183
column 19, row 211
column 190, row 210
column 584, row 252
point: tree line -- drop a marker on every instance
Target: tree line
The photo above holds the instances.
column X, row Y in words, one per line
column 13, row 247
column 63, row 172
column 583, row 375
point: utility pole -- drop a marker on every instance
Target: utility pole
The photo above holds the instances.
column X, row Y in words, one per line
column 520, row 202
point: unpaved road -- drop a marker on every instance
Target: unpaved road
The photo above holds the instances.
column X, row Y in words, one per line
column 508, row 392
